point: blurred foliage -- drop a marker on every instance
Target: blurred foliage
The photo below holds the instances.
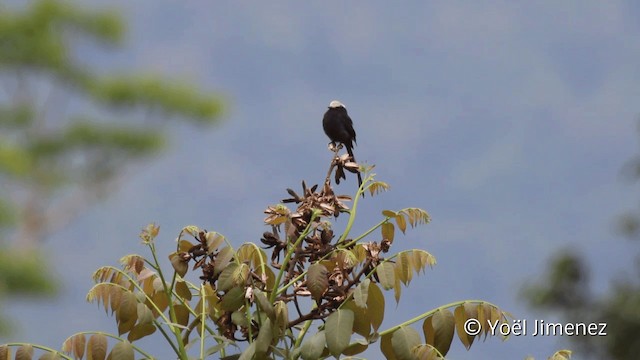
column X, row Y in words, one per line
column 566, row 289
column 68, row 130
column 21, row 273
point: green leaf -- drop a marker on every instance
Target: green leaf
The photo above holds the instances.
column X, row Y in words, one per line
column 439, row 330
column 122, row 351
column 403, row 341
column 461, row 317
column 421, row 259
column 375, row 306
column 317, row 280
column 389, row 213
column 226, row 280
column 361, row 293
column 404, row 267
column 263, row 303
column 239, row 318
column 233, row 299
column 312, row 349
column 356, row 348
column 223, row 259
column 388, row 231
column 426, row 352
column 361, row 320
column 561, row 355
column 265, row 337
column 248, row 353
column 281, row 314
column 386, row 275
column 386, row 347
column 213, row 241
column 338, row 328
column 402, row 223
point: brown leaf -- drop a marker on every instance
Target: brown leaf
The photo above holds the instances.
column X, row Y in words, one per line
column 460, row 316
column 179, row 265
column 25, row 352
column 78, row 346
column 443, row 323
column 97, row 347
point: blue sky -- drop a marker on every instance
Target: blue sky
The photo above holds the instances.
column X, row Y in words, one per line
column 508, row 122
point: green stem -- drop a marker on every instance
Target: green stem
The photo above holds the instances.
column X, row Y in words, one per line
column 182, row 353
column 303, row 332
column 431, row 312
column 202, row 320
column 372, row 229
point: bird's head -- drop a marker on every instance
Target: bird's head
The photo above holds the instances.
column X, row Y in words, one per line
column 336, row 104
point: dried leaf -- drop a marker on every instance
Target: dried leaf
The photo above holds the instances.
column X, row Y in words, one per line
column 179, row 264
column 375, row 306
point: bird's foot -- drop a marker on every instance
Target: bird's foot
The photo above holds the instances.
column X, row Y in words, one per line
column 333, row 147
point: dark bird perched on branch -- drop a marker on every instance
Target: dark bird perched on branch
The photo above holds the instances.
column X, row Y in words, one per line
column 339, row 128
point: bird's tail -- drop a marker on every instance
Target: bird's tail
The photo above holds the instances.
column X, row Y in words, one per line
column 353, row 158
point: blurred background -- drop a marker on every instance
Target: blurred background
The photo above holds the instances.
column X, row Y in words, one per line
column 513, row 125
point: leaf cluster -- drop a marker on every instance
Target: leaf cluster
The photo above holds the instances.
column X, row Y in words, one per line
column 249, row 305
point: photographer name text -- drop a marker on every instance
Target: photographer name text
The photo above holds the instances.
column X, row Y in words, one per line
column 522, row 327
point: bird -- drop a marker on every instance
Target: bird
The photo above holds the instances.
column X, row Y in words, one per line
column 339, row 128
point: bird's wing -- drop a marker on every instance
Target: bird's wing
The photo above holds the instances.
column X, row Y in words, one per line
column 349, row 128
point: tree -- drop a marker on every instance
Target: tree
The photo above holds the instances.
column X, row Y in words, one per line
column 66, row 130
column 319, row 294
column 566, row 290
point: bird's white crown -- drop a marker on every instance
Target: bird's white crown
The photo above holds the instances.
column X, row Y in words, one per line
column 336, row 104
